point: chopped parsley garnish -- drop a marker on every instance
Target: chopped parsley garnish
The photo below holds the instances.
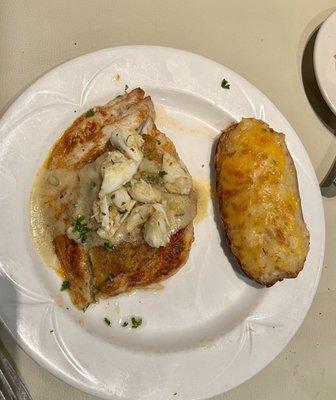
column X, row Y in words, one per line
column 110, row 278
column 65, row 285
column 124, row 324
column 162, row 174
column 122, row 212
column 81, row 227
column 136, row 322
column 179, row 247
column 225, row 84
column 89, row 113
column 128, row 184
column 126, row 87
column 109, row 246
column 112, row 196
column 150, row 179
column 107, row 321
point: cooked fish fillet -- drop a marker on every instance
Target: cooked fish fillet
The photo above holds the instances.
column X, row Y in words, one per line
column 95, row 271
column 259, row 202
column 76, row 265
column 139, row 265
column 85, row 140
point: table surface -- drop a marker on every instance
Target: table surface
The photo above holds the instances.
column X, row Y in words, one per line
column 263, row 41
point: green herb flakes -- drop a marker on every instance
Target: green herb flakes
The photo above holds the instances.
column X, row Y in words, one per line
column 136, row 322
column 81, row 227
column 150, row 179
column 124, row 324
column 126, row 87
column 65, row 285
column 109, row 246
column 89, row 113
column 225, row 84
column 162, row 174
column 107, row 321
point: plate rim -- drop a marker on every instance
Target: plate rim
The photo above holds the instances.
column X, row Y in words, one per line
column 317, row 60
column 43, row 361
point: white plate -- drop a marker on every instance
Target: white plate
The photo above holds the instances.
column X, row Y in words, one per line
column 210, row 329
column 325, row 60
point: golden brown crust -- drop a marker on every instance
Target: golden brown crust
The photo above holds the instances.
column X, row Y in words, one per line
column 85, row 140
column 75, row 264
column 241, row 198
column 148, row 265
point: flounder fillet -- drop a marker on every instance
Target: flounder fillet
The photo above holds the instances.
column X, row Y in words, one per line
column 97, row 272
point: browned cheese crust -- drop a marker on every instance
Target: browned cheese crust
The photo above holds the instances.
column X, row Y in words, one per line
column 259, row 202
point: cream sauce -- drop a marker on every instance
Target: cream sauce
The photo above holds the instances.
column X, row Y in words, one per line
column 50, row 195
column 59, row 196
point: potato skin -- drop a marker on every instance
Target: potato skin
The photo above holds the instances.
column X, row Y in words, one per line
column 259, row 202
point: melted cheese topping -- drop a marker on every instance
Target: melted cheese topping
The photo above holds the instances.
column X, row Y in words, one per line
column 261, row 204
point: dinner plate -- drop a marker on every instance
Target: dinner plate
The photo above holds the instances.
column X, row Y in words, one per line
column 207, row 328
column 325, row 60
